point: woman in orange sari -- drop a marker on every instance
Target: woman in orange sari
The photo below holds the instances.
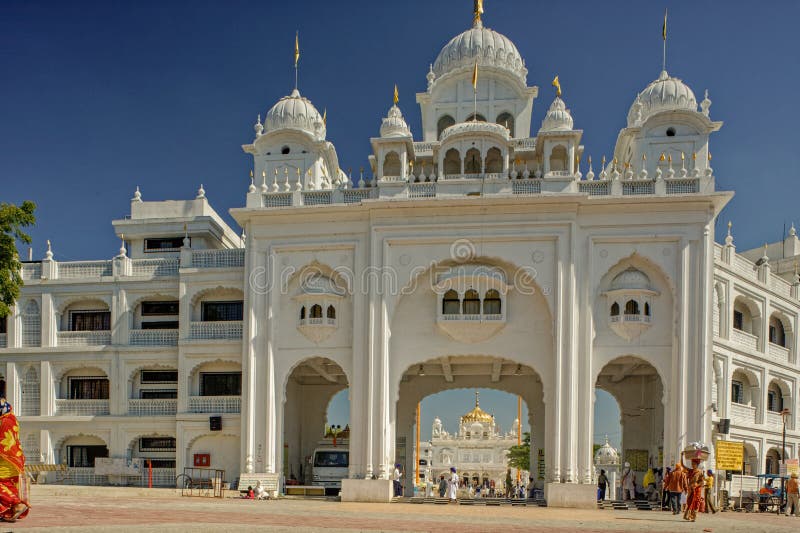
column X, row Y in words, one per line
column 695, row 503
column 12, row 466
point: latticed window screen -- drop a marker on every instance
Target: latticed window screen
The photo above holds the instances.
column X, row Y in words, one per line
column 31, row 325
column 222, row 311
column 737, row 392
column 30, row 393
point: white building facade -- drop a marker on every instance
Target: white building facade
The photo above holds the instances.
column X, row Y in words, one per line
column 479, row 255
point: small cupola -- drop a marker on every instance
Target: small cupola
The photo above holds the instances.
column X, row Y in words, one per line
column 630, row 303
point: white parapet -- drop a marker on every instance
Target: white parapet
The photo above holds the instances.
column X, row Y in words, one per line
column 571, row 495
column 367, row 490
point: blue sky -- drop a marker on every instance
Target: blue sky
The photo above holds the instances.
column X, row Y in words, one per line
column 99, row 97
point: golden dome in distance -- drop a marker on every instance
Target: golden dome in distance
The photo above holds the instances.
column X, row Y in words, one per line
column 477, row 414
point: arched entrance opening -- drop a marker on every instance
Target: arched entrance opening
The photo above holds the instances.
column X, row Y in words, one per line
column 462, row 428
column 309, row 391
column 637, row 388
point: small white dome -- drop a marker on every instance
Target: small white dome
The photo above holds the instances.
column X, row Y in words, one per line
column 487, row 46
column 295, row 112
column 664, row 94
column 606, row 455
column 558, row 117
column 631, row 278
column 394, row 125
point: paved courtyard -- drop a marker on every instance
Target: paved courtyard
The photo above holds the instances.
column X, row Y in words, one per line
column 60, row 508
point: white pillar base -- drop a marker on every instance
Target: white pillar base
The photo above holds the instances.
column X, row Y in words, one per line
column 572, row 495
column 367, row 490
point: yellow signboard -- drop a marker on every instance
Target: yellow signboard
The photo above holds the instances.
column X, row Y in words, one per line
column 730, row 455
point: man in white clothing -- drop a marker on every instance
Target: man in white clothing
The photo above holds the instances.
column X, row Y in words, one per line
column 452, row 488
column 398, row 487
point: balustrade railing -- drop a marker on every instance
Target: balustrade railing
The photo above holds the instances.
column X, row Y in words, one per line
column 85, row 476
column 778, row 352
column 82, row 407
column 155, row 268
column 31, row 271
column 226, row 258
column 775, row 419
column 744, row 267
column 744, row 339
column 84, row 269
column 780, row 286
column 421, row 190
column 231, row 329
column 152, row 407
column 154, row 337
column 215, row 404
column 636, row 187
column 471, row 317
column 743, row 414
column 682, row 185
column 84, row 338
column 717, row 252
column 595, row 188
column 162, row 477
column 3, row 340
column 529, row 186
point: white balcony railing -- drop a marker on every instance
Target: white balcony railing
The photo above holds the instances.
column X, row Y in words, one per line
column 228, row 258
column 31, row 271
column 775, row 420
column 84, row 338
column 778, row 352
column 744, row 339
column 230, row 329
column 152, row 407
column 162, row 477
column 317, row 322
column 643, row 319
column 215, row 404
column 84, row 269
column 155, row 268
column 3, row 340
column 82, row 407
column 85, row 476
column 471, row 318
column 154, row 337
column 743, row 414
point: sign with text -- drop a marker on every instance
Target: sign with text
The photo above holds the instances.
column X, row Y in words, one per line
column 789, row 467
column 730, row 455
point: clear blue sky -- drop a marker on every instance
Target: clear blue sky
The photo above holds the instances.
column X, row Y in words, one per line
column 99, row 97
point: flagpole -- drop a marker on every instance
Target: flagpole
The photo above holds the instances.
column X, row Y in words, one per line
column 664, row 38
column 296, row 55
column 664, row 57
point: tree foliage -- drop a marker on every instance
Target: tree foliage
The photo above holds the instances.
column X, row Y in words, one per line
column 12, row 219
column 519, row 456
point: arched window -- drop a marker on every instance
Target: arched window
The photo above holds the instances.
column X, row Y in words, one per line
column 494, row 160
column 391, row 164
column 452, row 162
column 472, row 161
column 491, row 303
column 773, row 461
column 331, row 312
column 632, row 307
column 646, row 309
column 777, row 333
column 507, row 120
column 472, row 303
column 558, row 159
column 450, row 303
column 774, row 398
column 31, row 325
column 303, row 313
column 478, row 117
column 445, row 122
column 316, row 311
column 30, row 393
column 615, row 309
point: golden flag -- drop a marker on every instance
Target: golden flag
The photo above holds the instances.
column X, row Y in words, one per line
column 664, row 27
column 396, row 96
column 557, row 85
column 296, row 48
column 475, row 77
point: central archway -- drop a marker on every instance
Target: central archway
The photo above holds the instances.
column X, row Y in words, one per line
column 471, row 372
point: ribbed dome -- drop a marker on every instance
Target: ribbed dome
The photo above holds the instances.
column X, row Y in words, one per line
column 606, row 455
column 487, row 46
column 664, row 94
column 477, row 414
column 295, row 112
column 631, row 278
column 394, row 125
column 557, row 117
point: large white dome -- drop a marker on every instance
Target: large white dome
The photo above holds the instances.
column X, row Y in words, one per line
column 295, row 112
column 664, row 94
column 487, row 46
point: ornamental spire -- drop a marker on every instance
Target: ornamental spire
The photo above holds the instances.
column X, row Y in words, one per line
column 476, row 14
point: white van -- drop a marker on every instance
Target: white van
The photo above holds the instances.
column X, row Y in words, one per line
column 329, row 466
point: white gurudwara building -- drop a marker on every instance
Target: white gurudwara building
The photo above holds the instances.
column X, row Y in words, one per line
column 478, row 449
column 486, row 250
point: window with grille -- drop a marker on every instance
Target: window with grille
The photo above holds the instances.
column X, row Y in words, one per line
column 158, row 394
column 30, row 393
column 450, row 303
column 491, row 303
column 160, row 308
column 31, row 325
column 331, row 312
column 157, row 444
column 221, row 311
column 170, row 244
column 84, row 456
column 221, row 384
column 160, row 463
column 160, row 324
column 316, row 311
column 90, row 321
column 737, row 392
column 88, row 388
column 472, row 303
column 159, row 376
column 738, row 320
column 3, row 326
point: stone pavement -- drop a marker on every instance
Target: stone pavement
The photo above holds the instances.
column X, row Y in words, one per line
column 64, row 508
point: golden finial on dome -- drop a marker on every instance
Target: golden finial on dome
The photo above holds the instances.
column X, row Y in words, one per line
column 477, row 414
column 477, row 12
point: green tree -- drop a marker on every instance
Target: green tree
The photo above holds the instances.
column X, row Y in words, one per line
column 519, row 456
column 12, row 219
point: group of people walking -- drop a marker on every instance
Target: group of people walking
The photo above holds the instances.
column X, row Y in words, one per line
column 689, row 490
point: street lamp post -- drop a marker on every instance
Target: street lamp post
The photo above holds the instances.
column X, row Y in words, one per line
column 784, row 416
